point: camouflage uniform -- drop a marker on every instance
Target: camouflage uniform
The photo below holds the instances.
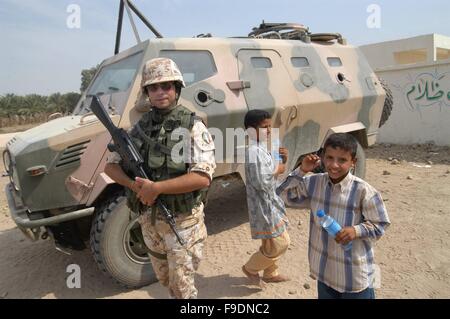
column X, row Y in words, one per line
column 161, row 70
column 174, row 264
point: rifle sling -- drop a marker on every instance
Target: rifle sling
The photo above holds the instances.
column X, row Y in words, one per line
column 153, row 145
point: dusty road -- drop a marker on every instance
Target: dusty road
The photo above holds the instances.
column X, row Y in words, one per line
column 414, row 256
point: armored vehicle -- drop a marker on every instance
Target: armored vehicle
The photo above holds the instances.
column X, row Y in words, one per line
column 312, row 84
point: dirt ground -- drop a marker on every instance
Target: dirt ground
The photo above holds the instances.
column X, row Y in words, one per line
column 414, row 255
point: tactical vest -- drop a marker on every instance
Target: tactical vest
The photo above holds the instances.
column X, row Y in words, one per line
column 152, row 136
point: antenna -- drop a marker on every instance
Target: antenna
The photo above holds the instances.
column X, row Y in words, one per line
column 129, row 6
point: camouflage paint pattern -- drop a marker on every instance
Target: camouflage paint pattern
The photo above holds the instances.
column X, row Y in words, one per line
column 307, row 101
column 176, row 271
column 307, row 104
column 161, row 70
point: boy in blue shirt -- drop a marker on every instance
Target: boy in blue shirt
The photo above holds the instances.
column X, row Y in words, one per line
column 267, row 214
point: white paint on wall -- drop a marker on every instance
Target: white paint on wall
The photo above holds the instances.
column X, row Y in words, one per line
column 421, row 110
column 418, row 72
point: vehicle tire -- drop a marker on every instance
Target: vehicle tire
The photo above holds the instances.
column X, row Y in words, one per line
column 118, row 246
column 388, row 103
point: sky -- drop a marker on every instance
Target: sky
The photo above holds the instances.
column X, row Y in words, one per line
column 44, row 46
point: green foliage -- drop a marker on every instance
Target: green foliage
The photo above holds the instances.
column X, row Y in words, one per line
column 31, row 104
column 87, row 76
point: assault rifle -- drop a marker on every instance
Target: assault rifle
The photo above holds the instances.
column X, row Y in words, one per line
column 132, row 160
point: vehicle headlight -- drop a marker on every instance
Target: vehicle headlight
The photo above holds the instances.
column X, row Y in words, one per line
column 9, row 168
column 7, row 161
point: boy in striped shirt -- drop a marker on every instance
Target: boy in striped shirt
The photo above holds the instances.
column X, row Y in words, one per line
column 354, row 204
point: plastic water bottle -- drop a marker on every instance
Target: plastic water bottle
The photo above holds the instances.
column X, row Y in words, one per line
column 276, row 150
column 331, row 226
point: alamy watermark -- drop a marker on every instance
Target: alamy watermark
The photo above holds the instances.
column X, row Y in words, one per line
column 376, row 277
column 74, row 279
column 228, row 148
column 73, row 21
column 374, row 19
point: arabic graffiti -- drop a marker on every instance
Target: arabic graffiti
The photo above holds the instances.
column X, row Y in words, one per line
column 428, row 89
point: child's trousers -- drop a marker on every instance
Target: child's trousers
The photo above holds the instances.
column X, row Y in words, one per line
column 269, row 253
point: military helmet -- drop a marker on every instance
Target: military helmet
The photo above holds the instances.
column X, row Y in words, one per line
column 161, row 70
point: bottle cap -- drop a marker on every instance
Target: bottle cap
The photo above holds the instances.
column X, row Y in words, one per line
column 320, row 213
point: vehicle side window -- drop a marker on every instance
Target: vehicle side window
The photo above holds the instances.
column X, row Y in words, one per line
column 116, row 77
column 334, row 62
column 300, row 62
column 195, row 65
column 261, row 63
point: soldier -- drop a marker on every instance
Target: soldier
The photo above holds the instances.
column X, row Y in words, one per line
column 181, row 185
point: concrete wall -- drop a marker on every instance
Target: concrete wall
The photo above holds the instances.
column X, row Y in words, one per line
column 403, row 51
column 421, row 110
column 418, row 72
column 442, row 45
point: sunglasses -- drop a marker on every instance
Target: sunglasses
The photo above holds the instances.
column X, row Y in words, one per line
column 165, row 86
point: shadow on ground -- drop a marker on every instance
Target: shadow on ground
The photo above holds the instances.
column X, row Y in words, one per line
column 222, row 193
column 37, row 270
column 232, row 287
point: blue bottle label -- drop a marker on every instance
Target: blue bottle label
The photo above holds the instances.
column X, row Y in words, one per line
column 334, row 228
column 276, row 151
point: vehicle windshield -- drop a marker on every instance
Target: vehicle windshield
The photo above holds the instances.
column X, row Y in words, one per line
column 113, row 78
